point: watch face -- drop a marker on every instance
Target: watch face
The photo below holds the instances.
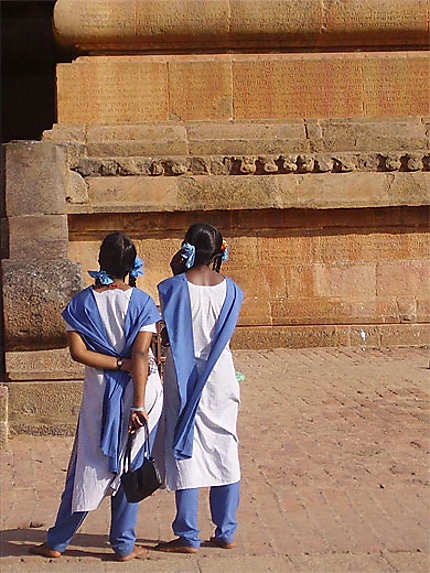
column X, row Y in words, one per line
column 119, row 363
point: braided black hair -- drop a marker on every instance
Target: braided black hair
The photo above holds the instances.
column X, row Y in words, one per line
column 208, row 242
column 117, row 255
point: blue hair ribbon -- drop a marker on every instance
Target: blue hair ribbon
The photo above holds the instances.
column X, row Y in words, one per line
column 137, row 270
column 224, row 249
column 188, row 254
column 101, row 276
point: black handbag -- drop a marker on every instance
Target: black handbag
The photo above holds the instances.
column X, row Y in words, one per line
column 143, row 481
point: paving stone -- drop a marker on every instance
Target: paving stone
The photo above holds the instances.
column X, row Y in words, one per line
column 334, row 459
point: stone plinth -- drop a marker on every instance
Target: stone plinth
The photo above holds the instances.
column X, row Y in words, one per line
column 99, row 90
column 44, row 408
column 176, row 25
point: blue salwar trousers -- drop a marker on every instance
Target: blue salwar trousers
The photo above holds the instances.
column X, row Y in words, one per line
column 123, row 516
column 224, row 501
column 123, row 521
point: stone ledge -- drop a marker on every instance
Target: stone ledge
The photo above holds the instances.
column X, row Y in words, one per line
column 44, row 408
column 174, row 25
column 376, row 335
column 86, row 232
column 34, row 178
column 141, row 194
column 54, row 364
column 44, row 402
column 34, row 428
column 257, row 137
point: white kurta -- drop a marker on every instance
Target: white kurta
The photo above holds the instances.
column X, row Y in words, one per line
column 215, row 459
column 93, row 480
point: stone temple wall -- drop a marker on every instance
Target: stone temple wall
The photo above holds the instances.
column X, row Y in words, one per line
column 300, row 128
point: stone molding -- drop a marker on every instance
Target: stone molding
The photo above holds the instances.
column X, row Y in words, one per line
column 188, row 193
column 388, row 161
column 109, row 26
column 273, row 164
column 245, row 137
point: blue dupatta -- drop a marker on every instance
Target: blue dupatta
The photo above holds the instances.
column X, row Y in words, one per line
column 175, row 300
column 82, row 314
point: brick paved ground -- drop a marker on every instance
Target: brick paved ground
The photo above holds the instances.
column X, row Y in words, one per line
column 334, row 450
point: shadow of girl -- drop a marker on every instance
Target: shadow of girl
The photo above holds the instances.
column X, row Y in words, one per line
column 17, row 543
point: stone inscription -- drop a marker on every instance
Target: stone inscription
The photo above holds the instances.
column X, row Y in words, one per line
column 109, row 90
column 101, row 18
column 392, row 88
column 122, row 92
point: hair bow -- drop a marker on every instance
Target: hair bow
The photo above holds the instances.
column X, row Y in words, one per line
column 101, row 276
column 224, row 248
column 188, row 253
column 137, row 270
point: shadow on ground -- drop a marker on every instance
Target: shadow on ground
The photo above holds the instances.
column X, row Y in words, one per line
column 17, row 543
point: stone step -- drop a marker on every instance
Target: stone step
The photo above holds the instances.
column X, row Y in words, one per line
column 243, row 137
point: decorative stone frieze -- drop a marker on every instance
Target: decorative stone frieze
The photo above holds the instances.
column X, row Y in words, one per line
column 259, row 165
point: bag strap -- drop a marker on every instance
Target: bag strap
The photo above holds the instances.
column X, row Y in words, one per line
column 146, row 447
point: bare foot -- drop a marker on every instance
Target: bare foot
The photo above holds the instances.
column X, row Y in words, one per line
column 45, row 551
column 222, row 543
column 175, row 546
column 137, row 553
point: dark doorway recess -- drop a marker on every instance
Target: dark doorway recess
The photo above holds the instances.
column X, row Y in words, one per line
column 29, row 55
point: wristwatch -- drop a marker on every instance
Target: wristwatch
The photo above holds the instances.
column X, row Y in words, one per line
column 119, row 363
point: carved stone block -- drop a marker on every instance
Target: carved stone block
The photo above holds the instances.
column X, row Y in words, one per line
column 76, row 188
column 35, row 175
column 38, row 237
column 34, row 295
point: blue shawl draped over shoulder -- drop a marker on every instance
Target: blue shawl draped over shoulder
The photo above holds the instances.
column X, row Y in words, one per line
column 82, row 314
column 176, row 305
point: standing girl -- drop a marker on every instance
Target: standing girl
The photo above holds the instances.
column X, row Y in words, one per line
column 109, row 330
column 200, row 309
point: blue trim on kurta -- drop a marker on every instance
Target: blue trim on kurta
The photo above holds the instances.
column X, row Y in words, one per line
column 82, row 314
column 175, row 300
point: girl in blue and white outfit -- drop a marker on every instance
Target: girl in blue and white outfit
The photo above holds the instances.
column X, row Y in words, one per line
column 200, row 309
column 109, row 330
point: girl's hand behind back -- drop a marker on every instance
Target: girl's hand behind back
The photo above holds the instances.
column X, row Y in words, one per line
column 136, row 421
